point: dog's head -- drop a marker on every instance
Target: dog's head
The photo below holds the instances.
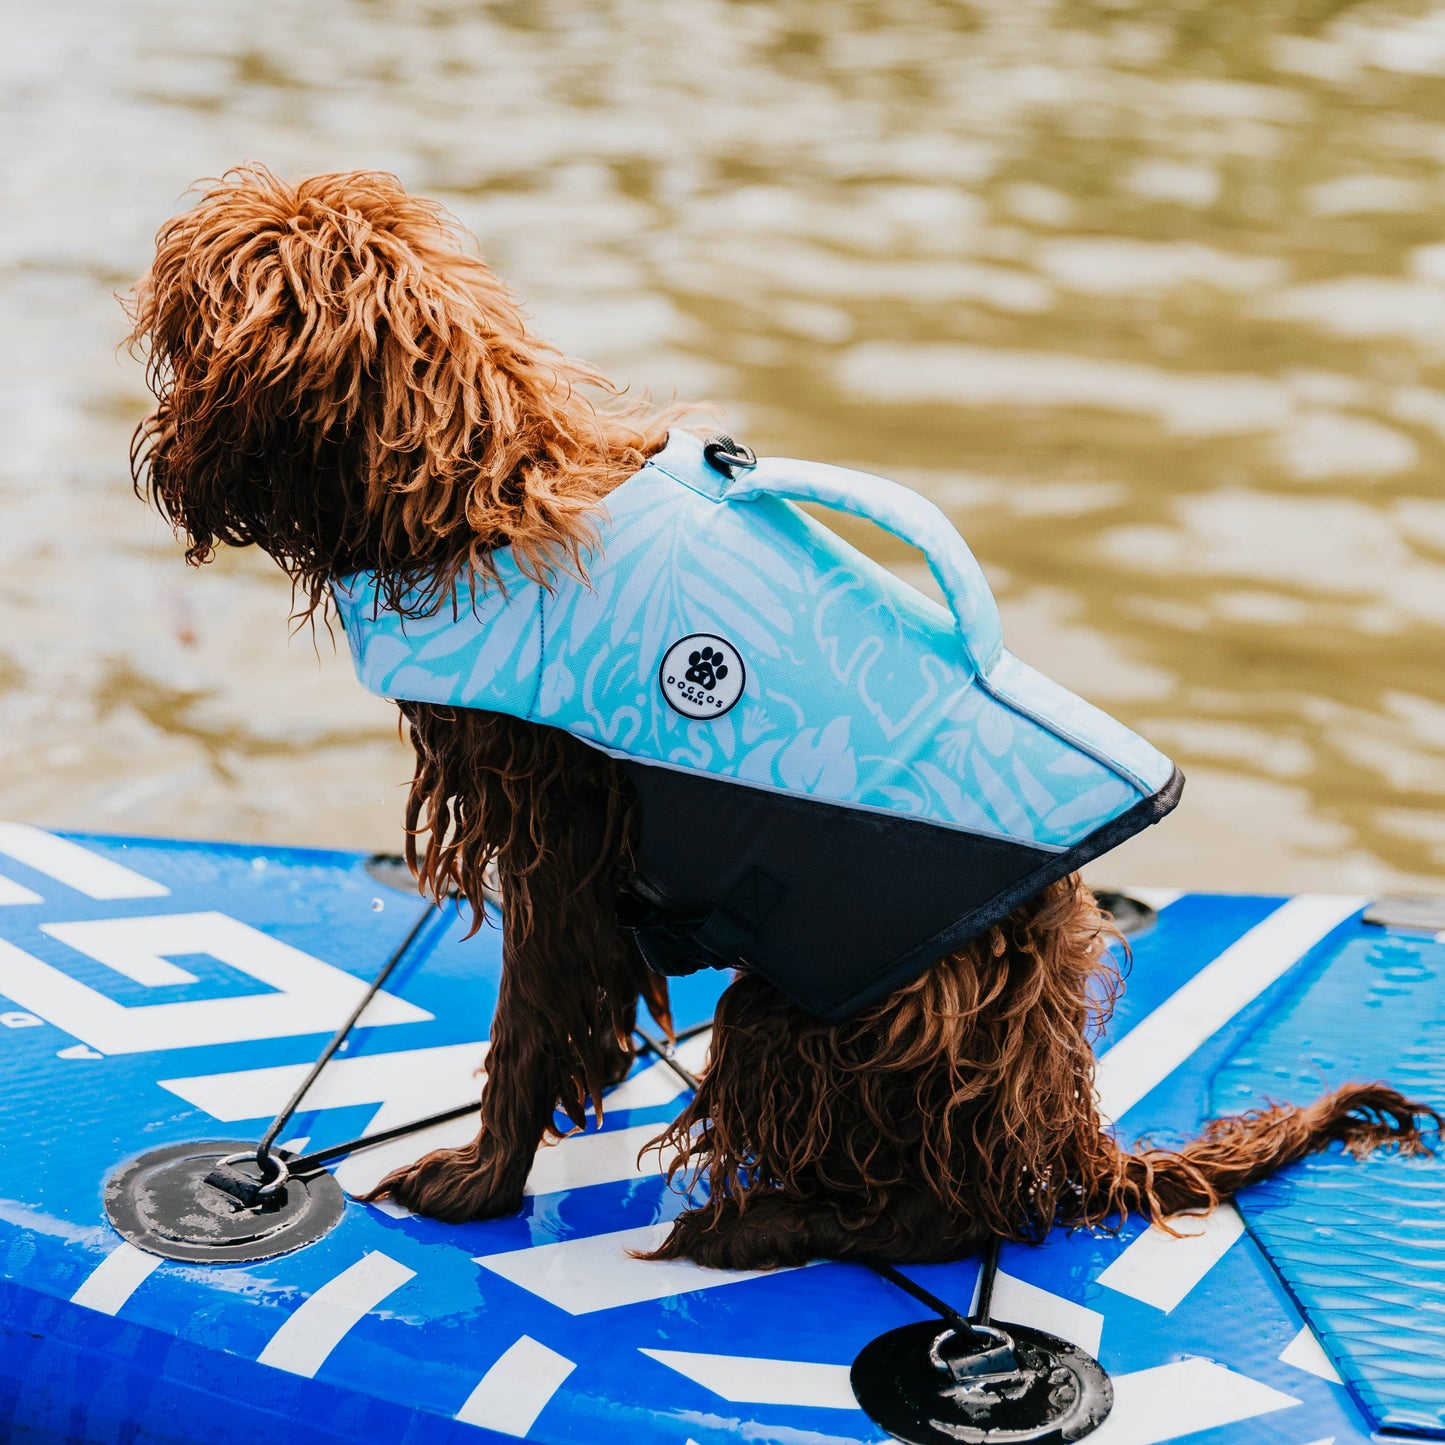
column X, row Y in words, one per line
column 342, row 381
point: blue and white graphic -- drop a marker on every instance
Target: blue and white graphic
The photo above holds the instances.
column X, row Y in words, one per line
column 542, row 1326
column 838, row 681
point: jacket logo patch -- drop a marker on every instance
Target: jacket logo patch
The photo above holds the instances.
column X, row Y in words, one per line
column 702, row 676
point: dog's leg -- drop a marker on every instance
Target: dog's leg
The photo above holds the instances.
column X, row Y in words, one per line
column 528, row 1075
column 552, row 814
column 523, row 1084
column 553, row 1042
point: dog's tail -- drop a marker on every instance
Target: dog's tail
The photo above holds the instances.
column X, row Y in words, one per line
column 1241, row 1149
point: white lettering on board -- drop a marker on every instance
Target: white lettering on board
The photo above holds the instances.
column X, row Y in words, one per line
column 12, row 892
column 70, row 864
column 305, row 995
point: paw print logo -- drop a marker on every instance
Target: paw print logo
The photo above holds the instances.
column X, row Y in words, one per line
column 706, row 668
column 702, row 676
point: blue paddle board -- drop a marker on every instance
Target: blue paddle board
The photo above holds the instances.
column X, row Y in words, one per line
column 154, row 992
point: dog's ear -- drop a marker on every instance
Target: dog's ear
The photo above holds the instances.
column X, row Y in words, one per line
column 341, row 380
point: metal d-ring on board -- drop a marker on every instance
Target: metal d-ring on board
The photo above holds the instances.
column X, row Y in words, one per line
column 214, row 1200
column 977, row 1381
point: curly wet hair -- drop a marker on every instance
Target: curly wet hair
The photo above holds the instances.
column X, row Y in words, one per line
column 340, row 380
column 960, row 1108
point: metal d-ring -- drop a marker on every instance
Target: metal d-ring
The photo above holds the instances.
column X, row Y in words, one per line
column 277, row 1180
column 727, row 455
column 992, row 1357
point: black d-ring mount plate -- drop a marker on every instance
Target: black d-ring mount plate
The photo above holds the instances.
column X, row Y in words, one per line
column 1131, row 915
column 162, row 1203
column 928, row 1384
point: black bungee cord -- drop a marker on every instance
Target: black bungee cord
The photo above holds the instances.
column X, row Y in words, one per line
column 281, row 1167
column 309, row 1163
column 982, row 1311
column 273, row 1166
column 667, row 1052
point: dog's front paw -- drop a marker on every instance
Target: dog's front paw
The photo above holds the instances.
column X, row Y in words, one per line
column 454, row 1185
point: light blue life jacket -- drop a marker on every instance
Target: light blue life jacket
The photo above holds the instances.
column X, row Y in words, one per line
column 811, row 738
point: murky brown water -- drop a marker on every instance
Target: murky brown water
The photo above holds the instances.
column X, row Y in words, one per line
column 1150, row 297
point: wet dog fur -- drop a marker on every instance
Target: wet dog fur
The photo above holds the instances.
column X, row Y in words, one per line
column 340, row 380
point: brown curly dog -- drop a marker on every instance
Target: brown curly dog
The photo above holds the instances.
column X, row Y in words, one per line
column 341, row 381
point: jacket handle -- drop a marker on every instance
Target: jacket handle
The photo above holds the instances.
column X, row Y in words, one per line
column 909, row 517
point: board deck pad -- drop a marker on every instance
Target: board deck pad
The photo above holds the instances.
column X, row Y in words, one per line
column 1360, row 1246
column 154, row 992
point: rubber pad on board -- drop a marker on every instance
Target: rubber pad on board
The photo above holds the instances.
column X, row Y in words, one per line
column 1359, row 1244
